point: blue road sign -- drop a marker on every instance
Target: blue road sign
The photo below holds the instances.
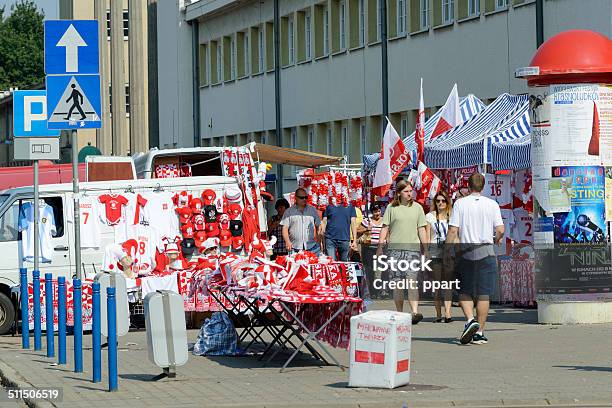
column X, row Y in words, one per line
column 30, row 114
column 74, row 101
column 71, row 47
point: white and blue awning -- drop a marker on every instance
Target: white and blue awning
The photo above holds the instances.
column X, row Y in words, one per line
column 513, row 155
column 505, row 121
column 469, row 106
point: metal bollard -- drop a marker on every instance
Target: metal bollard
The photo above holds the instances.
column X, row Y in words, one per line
column 61, row 320
column 111, row 310
column 95, row 334
column 78, row 325
column 25, row 315
column 49, row 315
column 37, row 321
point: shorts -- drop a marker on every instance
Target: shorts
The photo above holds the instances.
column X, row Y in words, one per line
column 406, row 255
column 478, row 278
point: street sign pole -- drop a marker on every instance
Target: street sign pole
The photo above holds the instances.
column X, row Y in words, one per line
column 75, row 196
column 36, row 216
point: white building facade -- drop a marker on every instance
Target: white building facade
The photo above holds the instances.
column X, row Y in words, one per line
column 216, row 65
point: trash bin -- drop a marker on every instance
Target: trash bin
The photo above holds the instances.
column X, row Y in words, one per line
column 380, row 349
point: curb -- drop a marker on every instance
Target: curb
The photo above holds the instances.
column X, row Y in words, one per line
column 11, row 378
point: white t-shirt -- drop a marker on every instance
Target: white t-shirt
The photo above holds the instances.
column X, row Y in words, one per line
column 499, row 189
column 439, row 229
column 133, row 213
column 90, row 222
column 46, row 230
column 506, row 242
column 476, row 217
column 159, row 213
column 523, row 227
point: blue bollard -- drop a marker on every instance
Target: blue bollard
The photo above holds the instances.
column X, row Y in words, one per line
column 78, row 325
column 95, row 334
column 61, row 320
column 25, row 315
column 36, row 294
column 49, row 314
column 111, row 312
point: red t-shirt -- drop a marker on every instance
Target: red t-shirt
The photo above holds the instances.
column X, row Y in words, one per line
column 113, row 204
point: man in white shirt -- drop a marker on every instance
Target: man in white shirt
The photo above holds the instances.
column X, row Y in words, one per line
column 476, row 224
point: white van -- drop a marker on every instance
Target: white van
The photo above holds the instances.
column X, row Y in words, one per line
column 59, row 197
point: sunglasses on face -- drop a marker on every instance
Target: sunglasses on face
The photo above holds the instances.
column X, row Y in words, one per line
column 441, row 201
column 302, row 197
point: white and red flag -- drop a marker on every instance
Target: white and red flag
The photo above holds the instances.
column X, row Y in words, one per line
column 428, row 184
column 419, row 135
column 450, row 116
column 393, row 159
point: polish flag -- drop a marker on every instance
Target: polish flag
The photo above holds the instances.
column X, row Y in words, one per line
column 428, row 184
column 419, row 135
column 594, row 143
column 393, row 159
column 450, row 116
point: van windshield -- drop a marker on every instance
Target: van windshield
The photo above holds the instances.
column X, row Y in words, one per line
column 3, row 198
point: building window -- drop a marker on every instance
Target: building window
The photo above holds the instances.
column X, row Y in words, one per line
column 325, row 31
column 473, row 7
column 127, row 98
column 308, row 36
column 126, row 24
column 378, row 21
column 261, row 49
column 362, row 22
column 342, row 7
column 219, row 62
column 501, row 4
column 345, row 146
column 264, row 138
column 424, row 14
column 203, row 64
column 310, row 139
column 363, row 137
column 245, row 48
column 448, row 11
column 291, row 39
column 233, row 58
column 329, row 142
column 404, row 126
column 401, row 17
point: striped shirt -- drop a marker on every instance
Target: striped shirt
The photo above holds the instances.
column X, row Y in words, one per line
column 375, row 232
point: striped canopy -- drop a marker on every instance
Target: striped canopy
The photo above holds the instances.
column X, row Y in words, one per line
column 504, row 122
column 469, row 106
column 512, row 155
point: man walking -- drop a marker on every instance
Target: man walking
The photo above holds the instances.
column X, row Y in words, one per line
column 339, row 227
column 476, row 224
column 300, row 225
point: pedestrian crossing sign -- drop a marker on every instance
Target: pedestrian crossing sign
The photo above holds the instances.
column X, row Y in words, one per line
column 73, row 101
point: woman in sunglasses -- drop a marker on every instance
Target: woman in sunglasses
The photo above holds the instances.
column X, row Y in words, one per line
column 437, row 228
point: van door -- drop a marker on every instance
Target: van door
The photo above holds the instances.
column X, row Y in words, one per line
column 11, row 240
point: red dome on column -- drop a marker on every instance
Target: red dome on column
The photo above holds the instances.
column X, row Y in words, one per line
column 579, row 56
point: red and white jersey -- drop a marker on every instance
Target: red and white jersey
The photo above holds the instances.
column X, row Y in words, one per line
column 133, row 214
column 148, row 241
column 523, row 193
column 159, row 213
column 46, row 230
column 523, row 227
column 113, row 205
column 90, row 222
column 505, row 246
column 499, row 188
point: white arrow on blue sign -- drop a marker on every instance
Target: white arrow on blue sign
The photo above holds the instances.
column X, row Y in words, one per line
column 71, row 47
column 30, row 114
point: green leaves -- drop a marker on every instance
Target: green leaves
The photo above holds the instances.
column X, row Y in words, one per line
column 21, row 46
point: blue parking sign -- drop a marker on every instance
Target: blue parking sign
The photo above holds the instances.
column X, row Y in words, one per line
column 30, row 114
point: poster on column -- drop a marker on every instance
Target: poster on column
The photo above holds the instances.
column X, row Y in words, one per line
column 608, row 194
column 602, row 123
column 585, row 222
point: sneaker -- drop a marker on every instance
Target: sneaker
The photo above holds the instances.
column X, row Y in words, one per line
column 470, row 329
column 416, row 318
column 479, row 339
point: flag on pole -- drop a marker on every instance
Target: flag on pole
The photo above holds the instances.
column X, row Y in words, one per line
column 393, row 159
column 450, row 116
column 419, row 135
column 428, row 184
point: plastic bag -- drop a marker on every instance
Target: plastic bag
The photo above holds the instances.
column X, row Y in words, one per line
column 217, row 337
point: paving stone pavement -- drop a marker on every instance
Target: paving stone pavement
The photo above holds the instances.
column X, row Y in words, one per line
column 524, row 364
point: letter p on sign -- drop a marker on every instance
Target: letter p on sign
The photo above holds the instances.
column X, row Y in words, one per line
column 30, row 114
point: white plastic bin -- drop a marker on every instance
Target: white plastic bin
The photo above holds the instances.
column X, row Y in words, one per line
column 380, row 349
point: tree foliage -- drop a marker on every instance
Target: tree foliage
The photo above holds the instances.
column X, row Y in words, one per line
column 21, row 46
